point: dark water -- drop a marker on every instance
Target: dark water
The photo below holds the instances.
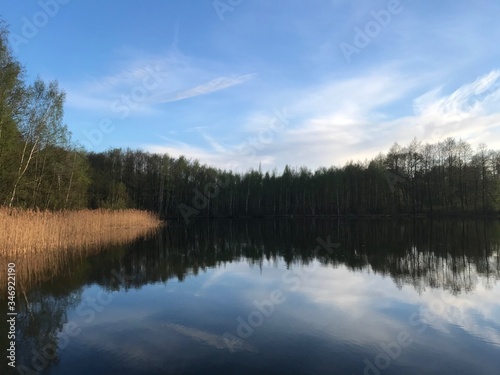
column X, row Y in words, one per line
column 274, row 297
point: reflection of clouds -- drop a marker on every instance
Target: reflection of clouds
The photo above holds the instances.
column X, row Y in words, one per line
column 215, row 277
column 376, row 299
column 340, row 308
column 210, row 339
column 367, row 308
column 137, row 347
column 225, row 275
column 478, row 314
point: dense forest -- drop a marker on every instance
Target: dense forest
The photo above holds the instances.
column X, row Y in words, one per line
column 40, row 167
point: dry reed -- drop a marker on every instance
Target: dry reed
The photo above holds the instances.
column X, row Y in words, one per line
column 39, row 242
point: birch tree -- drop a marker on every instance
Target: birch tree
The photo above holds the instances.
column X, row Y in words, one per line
column 40, row 128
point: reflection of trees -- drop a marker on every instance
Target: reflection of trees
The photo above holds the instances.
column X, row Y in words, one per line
column 451, row 255
column 40, row 324
column 40, row 318
column 42, row 308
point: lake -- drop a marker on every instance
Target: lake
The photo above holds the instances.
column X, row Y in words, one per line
column 287, row 296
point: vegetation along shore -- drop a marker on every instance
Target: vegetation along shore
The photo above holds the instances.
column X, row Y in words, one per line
column 40, row 243
column 30, row 232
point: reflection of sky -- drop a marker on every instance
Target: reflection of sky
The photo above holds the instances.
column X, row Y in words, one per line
column 331, row 318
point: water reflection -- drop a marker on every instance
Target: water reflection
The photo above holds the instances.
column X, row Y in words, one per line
column 449, row 255
column 173, row 301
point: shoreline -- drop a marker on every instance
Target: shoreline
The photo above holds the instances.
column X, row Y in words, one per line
column 437, row 216
column 39, row 243
column 32, row 232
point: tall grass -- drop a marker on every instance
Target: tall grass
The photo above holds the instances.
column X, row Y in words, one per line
column 39, row 242
column 27, row 232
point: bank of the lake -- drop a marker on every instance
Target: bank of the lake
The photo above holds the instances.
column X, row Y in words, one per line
column 40, row 243
column 28, row 231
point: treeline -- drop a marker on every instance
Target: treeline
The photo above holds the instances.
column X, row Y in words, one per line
column 443, row 178
column 41, row 168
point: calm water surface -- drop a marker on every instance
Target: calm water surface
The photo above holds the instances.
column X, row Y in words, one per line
column 274, row 297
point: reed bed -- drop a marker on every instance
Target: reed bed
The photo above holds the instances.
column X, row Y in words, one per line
column 26, row 232
column 40, row 242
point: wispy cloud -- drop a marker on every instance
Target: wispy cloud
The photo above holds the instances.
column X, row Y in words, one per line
column 148, row 81
column 471, row 112
column 214, row 85
column 354, row 119
column 466, row 101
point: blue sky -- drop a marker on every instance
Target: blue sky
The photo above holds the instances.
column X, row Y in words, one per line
column 235, row 83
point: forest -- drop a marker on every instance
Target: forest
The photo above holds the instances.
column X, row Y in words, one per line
column 42, row 168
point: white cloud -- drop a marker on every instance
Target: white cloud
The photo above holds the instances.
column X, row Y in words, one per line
column 214, row 85
column 144, row 83
column 351, row 120
column 468, row 112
